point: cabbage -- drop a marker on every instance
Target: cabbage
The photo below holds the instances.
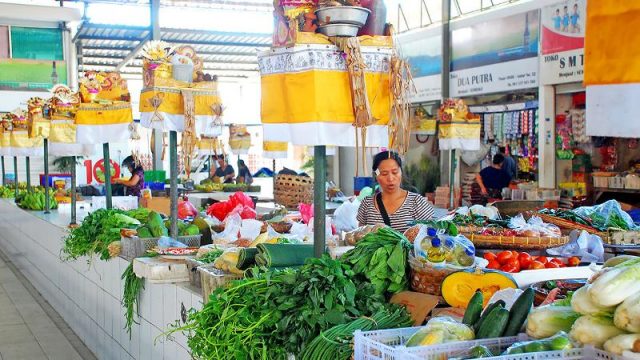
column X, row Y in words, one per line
column 594, row 330
column 614, row 286
column 546, row 321
column 621, row 343
column 627, row 315
column 582, row 303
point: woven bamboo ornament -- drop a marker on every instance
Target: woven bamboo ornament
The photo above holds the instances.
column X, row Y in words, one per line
column 189, row 139
column 400, row 121
column 360, row 100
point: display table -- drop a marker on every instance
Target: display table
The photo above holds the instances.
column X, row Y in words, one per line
column 88, row 297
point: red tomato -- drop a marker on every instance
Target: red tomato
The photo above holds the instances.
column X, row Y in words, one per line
column 504, row 257
column 493, row 264
column 515, row 263
column 573, row 261
column 509, row 268
column 556, row 261
column 535, row 265
column 542, row 259
column 490, row 256
column 525, row 260
column 551, row 265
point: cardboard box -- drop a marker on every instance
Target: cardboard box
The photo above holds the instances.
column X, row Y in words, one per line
column 158, row 204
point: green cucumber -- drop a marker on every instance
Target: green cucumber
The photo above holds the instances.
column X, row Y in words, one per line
column 486, row 313
column 474, row 309
column 494, row 325
column 519, row 312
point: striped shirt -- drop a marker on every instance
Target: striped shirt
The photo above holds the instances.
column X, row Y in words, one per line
column 414, row 207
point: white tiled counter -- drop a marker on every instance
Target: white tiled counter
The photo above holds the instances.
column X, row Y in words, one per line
column 88, row 296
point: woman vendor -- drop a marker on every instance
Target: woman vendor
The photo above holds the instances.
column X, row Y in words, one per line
column 135, row 183
column 392, row 206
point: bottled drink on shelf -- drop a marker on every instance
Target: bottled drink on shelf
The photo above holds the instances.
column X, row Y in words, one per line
column 437, row 253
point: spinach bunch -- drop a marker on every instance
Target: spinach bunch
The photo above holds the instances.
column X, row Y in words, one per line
column 381, row 258
column 97, row 231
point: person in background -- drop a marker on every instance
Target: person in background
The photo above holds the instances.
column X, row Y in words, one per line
column 510, row 166
column 493, row 179
column 392, row 206
column 225, row 172
column 135, row 183
column 565, row 19
column 244, row 174
column 557, row 21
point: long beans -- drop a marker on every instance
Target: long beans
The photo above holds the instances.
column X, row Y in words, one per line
column 130, row 296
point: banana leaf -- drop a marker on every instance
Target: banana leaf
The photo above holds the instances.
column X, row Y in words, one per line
column 247, row 258
column 283, row 255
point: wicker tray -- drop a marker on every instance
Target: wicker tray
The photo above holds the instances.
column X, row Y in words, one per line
column 133, row 247
column 516, row 242
column 515, row 207
column 427, row 279
column 212, row 278
column 291, row 190
column 566, row 224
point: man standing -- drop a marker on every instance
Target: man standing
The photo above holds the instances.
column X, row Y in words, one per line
column 493, row 179
column 509, row 166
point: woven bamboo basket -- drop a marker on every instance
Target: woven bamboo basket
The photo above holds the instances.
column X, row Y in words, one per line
column 291, row 190
column 516, row 242
column 427, row 279
column 567, row 226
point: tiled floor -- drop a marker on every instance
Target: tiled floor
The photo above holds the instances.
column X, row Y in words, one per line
column 29, row 328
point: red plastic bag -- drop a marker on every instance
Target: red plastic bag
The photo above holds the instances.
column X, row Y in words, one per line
column 306, row 212
column 186, row 209
column 241, row 198
column 245, row 212
column 220, row 210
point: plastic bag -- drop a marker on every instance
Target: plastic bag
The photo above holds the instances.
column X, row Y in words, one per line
column 186, row 210
column 306, row 212
column 220, row 210
column 557, row 342
column 509, row 296
column 250, row 229
column 245, row 212
column 167, row 242
column 587, row 247
column 240, row 198
column 535, row 227
column 366, row 191
column 231, row 229
column 345, row 216
column 295, row 235
column 608, row 215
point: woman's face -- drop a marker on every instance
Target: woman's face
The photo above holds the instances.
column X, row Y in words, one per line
column 389, row 175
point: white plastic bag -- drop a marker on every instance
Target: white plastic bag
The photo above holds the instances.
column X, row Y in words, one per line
column 345, row 216
column 509, row 296
column 232, row 226
column 535, row 227
column 250, row 229
column 581, row 244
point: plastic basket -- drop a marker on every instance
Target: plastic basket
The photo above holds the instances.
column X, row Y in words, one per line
column 381, row 344
column 133, row 247
column 212, row 279
column 194, row 275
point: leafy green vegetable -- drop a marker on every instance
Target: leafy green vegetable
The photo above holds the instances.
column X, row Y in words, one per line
column 130, row 296
column 381, row 258
column 211, row 256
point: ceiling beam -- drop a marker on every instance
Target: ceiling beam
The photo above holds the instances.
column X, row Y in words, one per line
column 216, row 33
column 107, row 48
column 132, row 55
column 110, row 37
column 216, row 43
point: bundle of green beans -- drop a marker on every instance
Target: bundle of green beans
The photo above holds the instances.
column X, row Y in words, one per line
column 132, row 287
column 337, row 342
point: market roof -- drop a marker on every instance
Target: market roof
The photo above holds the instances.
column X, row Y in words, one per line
column 226, row 54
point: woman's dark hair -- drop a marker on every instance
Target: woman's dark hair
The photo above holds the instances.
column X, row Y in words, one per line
column 130, row 163
column 498, row 159
column 385, row 155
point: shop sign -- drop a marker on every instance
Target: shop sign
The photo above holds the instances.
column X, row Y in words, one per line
column 563, row 29
column 423, row 50
column 495, row 56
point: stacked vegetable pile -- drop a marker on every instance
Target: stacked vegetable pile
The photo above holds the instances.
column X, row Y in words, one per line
column 310, row 311
column 605, row 313
column 98, row 230
column 35, row 200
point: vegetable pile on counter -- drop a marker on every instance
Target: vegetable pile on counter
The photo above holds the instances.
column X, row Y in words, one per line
column 35, row 199
column 512, row 261
column 605, row 313
column 310, row 311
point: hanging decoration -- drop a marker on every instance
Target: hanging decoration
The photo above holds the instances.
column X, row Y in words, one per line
column 210, row 146
column 239, row 139
column 104, row 113
column 21, row 143
column 422, row 123
column 167, row 74
column 5, row 140
column 458, row 128
column 401, row 88
column 275, row 149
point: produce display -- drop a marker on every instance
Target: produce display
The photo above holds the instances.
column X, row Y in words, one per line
column 512, row 261
column 35, row 200
column 295, row 307
column 459, row 287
